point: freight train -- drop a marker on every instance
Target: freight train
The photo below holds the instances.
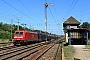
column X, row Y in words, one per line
column 23, row 37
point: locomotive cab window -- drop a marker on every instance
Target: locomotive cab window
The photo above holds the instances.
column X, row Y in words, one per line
column 17, row 33
column 21, row 33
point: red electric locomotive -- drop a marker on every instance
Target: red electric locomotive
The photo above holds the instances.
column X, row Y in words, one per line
column 23, row 37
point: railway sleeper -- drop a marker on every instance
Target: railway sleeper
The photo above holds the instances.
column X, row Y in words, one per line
column 16, row 50
column 43, row 53
column 26, row 55
column 18, row 53
column 56, row 51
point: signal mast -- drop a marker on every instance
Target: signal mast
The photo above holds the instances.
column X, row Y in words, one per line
column 45, row 12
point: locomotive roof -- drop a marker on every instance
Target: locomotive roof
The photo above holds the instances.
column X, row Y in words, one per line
column 34, row 32
column 21, row 30
column 30, row 32
column 26, row 31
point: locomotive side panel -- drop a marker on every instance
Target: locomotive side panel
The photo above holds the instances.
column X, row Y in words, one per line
column 31, row 36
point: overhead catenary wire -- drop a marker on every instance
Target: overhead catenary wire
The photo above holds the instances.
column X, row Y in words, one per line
column 69, row 9
column 52, row 14
column 28, row 9
column 15, row 18
column 72, row 5
column 46, row 1
column 4, row 15
column 7, row 16
column 55, row 10
column 56, row 14
column 19, row 11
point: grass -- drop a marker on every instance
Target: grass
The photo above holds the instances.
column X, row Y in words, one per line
column 68, row 52
column 88, row 46
column 60, row 55
column 4, row 40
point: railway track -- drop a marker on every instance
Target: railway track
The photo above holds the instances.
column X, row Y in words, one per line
column 13, row 52
column 34, row 51
column 47, row 53
column 6, row 44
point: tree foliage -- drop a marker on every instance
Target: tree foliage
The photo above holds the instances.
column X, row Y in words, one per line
column 86, row 25
column 5, row 30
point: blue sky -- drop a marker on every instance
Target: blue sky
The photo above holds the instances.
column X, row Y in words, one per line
column 31, row 12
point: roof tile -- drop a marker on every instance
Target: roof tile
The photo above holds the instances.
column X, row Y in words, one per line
column 71, row 20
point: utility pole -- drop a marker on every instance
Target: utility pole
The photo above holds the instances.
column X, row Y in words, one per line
column 18, row 24
column 11, row 28
column 81, row 23
column 30, row 27
column 46, row 5
column 24, row 25
column 40, row 35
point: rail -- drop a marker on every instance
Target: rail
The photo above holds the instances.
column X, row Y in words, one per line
column 55, row 53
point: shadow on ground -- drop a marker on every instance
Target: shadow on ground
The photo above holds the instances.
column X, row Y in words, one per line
column 66, row 44
column 76, row 59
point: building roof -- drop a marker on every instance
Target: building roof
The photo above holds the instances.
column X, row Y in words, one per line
column 71, row 20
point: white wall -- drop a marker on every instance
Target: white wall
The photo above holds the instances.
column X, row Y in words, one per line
column 66, row 36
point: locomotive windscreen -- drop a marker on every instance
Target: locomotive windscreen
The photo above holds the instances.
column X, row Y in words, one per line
column 21, row 33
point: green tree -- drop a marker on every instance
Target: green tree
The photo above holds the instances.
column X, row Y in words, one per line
column 85, row 25
column 5, row 30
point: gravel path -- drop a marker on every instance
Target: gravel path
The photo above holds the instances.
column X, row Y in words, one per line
column 81, row 53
